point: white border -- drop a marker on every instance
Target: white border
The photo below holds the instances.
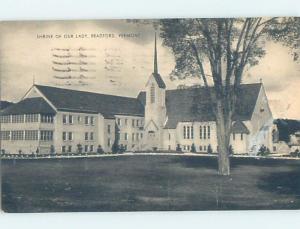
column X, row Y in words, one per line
column 110, row 9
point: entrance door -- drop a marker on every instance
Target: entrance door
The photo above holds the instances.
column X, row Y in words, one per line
column 152, row 142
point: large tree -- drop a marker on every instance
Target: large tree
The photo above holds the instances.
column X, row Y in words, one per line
column 218, row 51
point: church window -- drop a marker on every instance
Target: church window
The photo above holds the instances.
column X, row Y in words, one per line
column 204, row 132
column 188, row 132
column 233, row 136
column 242, row 137
column 192, row 132
column 201, row 136
column 184, row 132
column 208, row 132
column 169, row 136
column 152, row 93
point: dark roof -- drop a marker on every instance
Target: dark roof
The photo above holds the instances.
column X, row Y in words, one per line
column 286, row 127
column 239, row 127
column 192, row 104
column 29, row 106
column 81, row 101
column 159, row 80
column 5, row 104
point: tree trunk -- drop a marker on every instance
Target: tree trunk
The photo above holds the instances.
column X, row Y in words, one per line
column 223, row 122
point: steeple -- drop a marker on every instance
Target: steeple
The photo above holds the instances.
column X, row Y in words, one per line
column 155, row 73
column 155, row 57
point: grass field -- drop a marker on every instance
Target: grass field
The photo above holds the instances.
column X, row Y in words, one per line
column 148, row 183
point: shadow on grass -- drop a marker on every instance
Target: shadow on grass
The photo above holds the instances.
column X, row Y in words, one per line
column 287, row 182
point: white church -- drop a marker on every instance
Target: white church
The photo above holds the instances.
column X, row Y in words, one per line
column 157, row 119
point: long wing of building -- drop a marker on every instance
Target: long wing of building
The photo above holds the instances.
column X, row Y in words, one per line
column 63, row 120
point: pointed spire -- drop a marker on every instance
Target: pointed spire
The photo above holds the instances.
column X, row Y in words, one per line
column 155, row 57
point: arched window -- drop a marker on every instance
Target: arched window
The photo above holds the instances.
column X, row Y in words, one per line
column 152, row 93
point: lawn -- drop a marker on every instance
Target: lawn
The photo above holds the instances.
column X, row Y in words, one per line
column 148, row 183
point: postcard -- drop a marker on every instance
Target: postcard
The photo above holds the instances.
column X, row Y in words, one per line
column 150, row 115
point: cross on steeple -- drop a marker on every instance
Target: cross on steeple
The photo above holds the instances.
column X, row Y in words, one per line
column 155, row 57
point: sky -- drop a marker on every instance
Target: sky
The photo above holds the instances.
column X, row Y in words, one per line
column 120, row 60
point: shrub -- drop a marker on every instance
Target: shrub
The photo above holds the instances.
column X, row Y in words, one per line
column 296, row 153
column 115, row 147
column 193, row 148
column 209, row 149
column 122, row 149
column 263, row 151
column 178, row 148
column 100, row 150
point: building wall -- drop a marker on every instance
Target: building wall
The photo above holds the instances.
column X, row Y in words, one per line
column 261, row 124
column 239, row 143
column 173, row 137
column 155, row 115
column 131, row 131
column 177, row 137
column 281, row 147
column 78, row 130
column 27, row 146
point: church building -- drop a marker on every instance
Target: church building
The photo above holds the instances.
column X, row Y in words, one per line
column 156, row 119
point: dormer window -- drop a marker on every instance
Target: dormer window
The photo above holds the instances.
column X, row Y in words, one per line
column 152, row 94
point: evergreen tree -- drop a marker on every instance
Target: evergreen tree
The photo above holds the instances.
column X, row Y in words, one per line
column 209, row 149
column 193, row 148
column 115, row 147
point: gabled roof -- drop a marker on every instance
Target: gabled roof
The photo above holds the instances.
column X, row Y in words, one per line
column 29, row 106
column 239, row 127
column 5, row 104
column 193, row 104
column 82, row 101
